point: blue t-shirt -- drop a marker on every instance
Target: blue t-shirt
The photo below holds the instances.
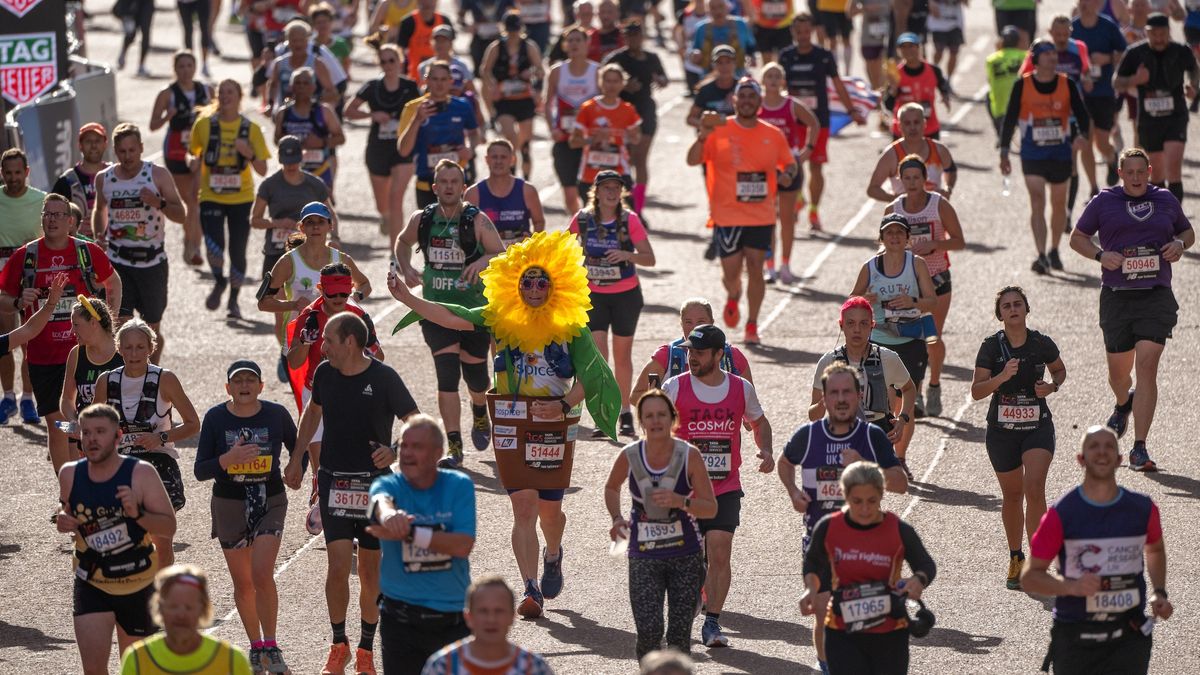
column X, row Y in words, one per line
column 419, row 576
column 442, row 133
column 1103, row 38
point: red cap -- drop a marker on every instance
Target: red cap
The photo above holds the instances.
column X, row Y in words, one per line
column 95, row 127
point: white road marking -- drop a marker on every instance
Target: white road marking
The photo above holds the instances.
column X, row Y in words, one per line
column 278, row 571
column 937, row 457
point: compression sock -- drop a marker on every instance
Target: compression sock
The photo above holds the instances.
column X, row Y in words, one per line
column 367, row 640
column 639, row 197
column 478, row 410
column 714, row 617
column 1176, row 189
column 1016, row 553
column 1128, row 405
column 339, row 632
column 267, row 643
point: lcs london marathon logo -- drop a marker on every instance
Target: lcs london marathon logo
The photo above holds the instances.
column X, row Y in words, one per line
column 28, row 64
column 19, row 7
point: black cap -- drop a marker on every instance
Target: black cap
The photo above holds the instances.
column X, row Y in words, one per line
column 291, row 150
column 705, row 336
column 607, row 175
column 894, row 219
column 1010, row 36
column 246, row 365
column 1158, row 20
column 633, row 27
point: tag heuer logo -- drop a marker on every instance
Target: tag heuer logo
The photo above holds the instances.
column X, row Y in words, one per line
column 19, row 7
column 28, row 65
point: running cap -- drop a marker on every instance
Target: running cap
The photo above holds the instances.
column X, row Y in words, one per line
column 723, row 50
column 894, row 219
column 291, row 150
column 444, row 31
column 908, row 39
column 1158, row 20
column 315, row 209
column 243, row 365
column 633, row 28
column 607, row 175
column 1039, row 47
column 93, row 127
column 705, row 336
column 1010, row 36
column 747, row 82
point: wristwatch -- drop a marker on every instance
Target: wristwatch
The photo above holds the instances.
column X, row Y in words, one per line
column 904, row 416
column 162, row 436
column 1099, row 255
column 565, row 406
column 687, row 502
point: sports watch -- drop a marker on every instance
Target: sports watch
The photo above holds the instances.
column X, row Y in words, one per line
column 162, row 437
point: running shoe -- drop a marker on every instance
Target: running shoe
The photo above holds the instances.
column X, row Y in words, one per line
column 1041, row 265
column 769, row 275
column 339, row 656
column 626, row 426
column 272, row 660
column 1118, row 421
column 232, row 311
column 919, row 406
column 814, row 221
column 256, row 659
column 903, row 463
column 933, row 400
column 711, row 635
column 710, row 253
column 364, row 662
column 454, row 455
column 785, row 276
column 143, row 73
column 1015, row 562
column 204, row 71
column 213, row 300
column 751, row 338
column 552, row 575
column 823, row 666
column 731, row 314
column 481, row 431
column 531, row 604
column 1139, row 458
column 29, row 414
column 1055, row 261
column 7, row 407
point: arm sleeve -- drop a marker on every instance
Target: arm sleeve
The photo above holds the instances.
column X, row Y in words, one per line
column 1129, row 63
column 985, row 357
column 405, row 33
column 1079, row 110
column 1154, row 531
column 739, row 360
column 915, row 555
column 372, row 338
column 1047, row 541
column 747, row 37
column 822, row 364
column 61, row 187
column 1012, row 115
column 1050, row 351
column 573, row 227
column 1181, row 224
column 943, row 84
column 885, row 452
column 815, row 560
column 1089, row 220
column 10, row 276
column 258, row 143
column 317, row 378
column 207, row 466
column 1026, row 65
column 796, row 445
column 671, row 388
column 199, row 136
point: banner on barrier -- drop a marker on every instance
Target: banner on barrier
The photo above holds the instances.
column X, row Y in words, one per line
column 33, row 48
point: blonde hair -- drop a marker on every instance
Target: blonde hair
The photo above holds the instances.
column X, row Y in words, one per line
column 137, row 325
column 862, row 473
column 189, row 575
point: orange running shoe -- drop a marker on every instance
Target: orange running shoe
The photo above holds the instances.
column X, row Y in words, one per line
column 339, row 656
column 752, row 335
column 364, row 662
column 814, row 221
column 731, row 314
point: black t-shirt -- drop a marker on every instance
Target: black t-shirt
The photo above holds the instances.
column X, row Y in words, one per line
column 1018, row 393
column 271, row 429
column 380, row 99
column 643, row 70
column 358, row 410
column 1168, row 69
column 712, row 96
column 806, row 77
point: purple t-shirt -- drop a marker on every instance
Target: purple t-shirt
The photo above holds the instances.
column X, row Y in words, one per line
column 1137, row 228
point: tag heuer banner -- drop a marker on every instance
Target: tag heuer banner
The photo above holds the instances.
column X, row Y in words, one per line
column 33, row 48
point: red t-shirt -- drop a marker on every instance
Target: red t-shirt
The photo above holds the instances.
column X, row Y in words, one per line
column 52, row 346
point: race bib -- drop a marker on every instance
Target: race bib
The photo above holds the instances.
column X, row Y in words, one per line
column 920, row 232
column 109, row 539
column 279, row 235
column 1047, row 132
column 127, row 444
column 775, row 10
column 1141, row 262
column 255, row 468
column 417, row 559
column 225, row 182
column 1118, row 594
column 349, row 497
column 651, row 534
column 185, row 137
column 751, row 186
column 878, row 29
column 602, row 158
column 864, row 605
column 388, row 130
column 1018, row 411
column 718, row 456
column 127, row 215
column 514, row 87
column 809, row 102
column 603, row 273
column 566, row 122
column 535, row 12
column 901, row 315
column 445, row 251
column 313, row 156
column 1094, row 71
column 545, row 449
column 1159, row 103
column 829, row 484
column 433, row 159
column 62, row 310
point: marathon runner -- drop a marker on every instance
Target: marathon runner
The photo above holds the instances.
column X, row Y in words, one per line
column 1011, row 368
column 585, row 15
column 356, row 398
column 715, row 92
column 457, row 240
column 511, row 203
column 834, row 26
column 484, row 25
column 297, row 53
column 606, row 37
column 1157, row 68
column 443, row 50
column 605, row 127
column 794, row 120
column 314, row 123
column 239, row 448
column 489, row 614
column 176, row 107
column 511, row 66
column 1142, row 230
column 385, row 98
column 686, row 20
column 712, row 406
column 77, row 184
column 25, row 284
column 721, row 29
column 947, row 25
column 415, row 32
column 1003, row 71
column 820, row 449
column 1019, row 13
column 425, row 519
column 535, row 15
column 386, row 17
column 939, row 164
column 876, row 40
column 915, row 81
column 228, row 144
column 770, row 19
column 741, row 194
column 437, row 126
column 145, row 397
column 96, row 353
column 880, row 372
column 133, row 200
column 1105, row 46
column 670, row 488
column 1042, row 104
column 114, row 507
column 569, row 85
column 857, row 552
column 614, row 245
column 1106, row 539
column 897, row 283
column 671, row 359
column 934, row 231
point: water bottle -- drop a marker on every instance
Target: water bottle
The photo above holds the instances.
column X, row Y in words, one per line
column 620, row 545
column 1007, row 189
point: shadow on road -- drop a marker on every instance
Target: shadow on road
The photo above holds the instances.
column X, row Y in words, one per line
column 30, row 638
column 954, row 497
column 960, row 641
column 6, row 550
column 782, row 355
column 751, row 662
column 746, row 627
column 603, row 641
column 1181, row 486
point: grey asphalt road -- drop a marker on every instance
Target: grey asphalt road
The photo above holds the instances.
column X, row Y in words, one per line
column 954, row 504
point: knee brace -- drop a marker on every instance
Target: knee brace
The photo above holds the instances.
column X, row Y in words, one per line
column 448, row 370
column 476, row 376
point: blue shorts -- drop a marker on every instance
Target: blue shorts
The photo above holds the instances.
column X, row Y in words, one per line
column 545, row 495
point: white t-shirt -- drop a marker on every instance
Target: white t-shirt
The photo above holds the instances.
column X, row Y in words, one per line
column 716, row 394
column 895, row 373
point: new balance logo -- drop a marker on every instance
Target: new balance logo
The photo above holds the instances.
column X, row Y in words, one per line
column 367, row 391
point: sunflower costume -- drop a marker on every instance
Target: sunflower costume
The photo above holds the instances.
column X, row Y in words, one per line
column 541, row 349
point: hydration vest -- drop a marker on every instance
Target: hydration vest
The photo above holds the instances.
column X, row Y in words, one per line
column 466, row 235
column 875, row 398
column 83, row 262
column 677, row 360
column 212, row 152
column 646, row 482
column 147, row 407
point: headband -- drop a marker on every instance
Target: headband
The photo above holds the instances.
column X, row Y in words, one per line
column 87, row 305
column 336, row 283
column 189, row 580
column 911, row 164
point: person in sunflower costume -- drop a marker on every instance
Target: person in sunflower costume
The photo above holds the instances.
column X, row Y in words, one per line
column 537, row 310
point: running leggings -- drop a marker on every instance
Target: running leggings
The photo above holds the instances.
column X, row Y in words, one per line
column 877, row 653
column 679, row 579
column 198, row 10
column 213, row 217
column 140, row 17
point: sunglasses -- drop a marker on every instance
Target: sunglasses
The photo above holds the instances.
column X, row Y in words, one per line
column 333, row 296
column 539, row 284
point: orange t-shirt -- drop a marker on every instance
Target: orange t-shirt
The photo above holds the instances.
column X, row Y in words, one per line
column 740, row 166
column 612, row 155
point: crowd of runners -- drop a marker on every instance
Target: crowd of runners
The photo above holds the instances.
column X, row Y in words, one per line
column 84, row 288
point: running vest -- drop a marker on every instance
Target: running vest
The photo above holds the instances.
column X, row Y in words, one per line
column 509, row 213
column 151, row 656
column 283, row 73
column 656, row 531
column 135, row 230
column 572, row 92
column 82, row 262
column 224, row 180
column 86, row 374
column 677, row 360
column 1045, row 120
column 716, row 429
column 179, row 126
column 821, row 466
column 926, row 225
column 145, row 415
column 420, row 45
column 875, row 404
column 734, row 39
column 1108, row 540
column 888, row 321
column 512, row 76
column 1015, row 405
column 784, row 118
column 601, row 44
column 449, row 247
column 82, row 188
column 314, row 160
column 866, row 562
column 920, row 88
column 933, row 165
column 304, row 278
column 112, row 552
column 598, row 240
